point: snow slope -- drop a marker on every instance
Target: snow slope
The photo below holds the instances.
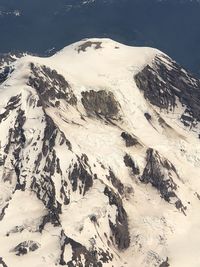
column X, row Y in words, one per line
column 99, row 159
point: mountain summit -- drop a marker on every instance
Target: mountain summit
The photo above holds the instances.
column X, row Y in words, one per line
column 99, row 159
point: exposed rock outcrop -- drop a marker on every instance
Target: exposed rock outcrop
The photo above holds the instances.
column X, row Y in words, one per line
column 129, row 139
column 164, row 81
column 51, row 86
column 159, row 172
column 85, row 45
column 25, row 247
column 2, row 263
column 100, row 103
column 119, row 229
column 129, row 162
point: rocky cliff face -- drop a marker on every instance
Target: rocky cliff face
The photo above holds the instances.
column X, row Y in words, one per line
column 99, row 159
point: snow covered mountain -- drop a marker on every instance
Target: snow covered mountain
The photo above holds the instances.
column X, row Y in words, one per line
column 99, row 159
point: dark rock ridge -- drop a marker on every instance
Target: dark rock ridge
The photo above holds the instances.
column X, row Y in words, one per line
column 159, row 172
column 6, row 64
column 8, row 58
column 12, row 104
column 44, row 186
column 25, row 247
column 129, row 139
column 165, row 263
column 2, row 263
column 4, row 73
column 84, row 46
column 120, row 229
column 19, row 139
column 2, row 211
column 147, row 116
column 95, row 257
column 100, row 103
column 116, row 182
column 79, row 173
column 164, row 81
column 16, row 141
column 129, row 162
column 51, row 86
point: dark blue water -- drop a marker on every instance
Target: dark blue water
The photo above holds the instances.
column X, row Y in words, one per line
column 170, row 25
